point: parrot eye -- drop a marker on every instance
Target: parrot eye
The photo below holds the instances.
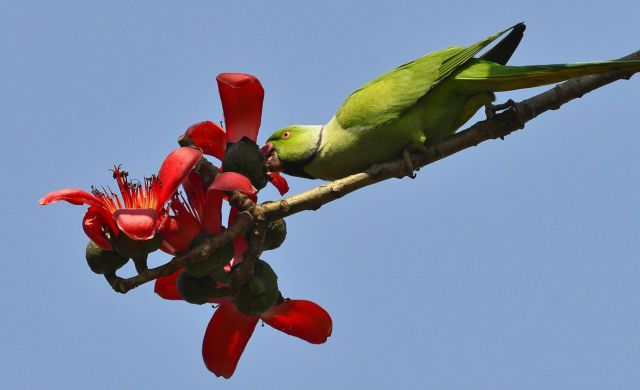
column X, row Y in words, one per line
column 286, row 135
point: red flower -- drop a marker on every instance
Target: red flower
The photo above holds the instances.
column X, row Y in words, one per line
column 139, row 210
column 229, row 330
column 242, row 96
column 202, row 212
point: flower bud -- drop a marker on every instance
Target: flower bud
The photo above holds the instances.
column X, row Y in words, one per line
column 196, row 290
column 244, row 157
column 276, row 233
column 214, row 263
column 261, row 292
column 103, row 261
column 128, row 247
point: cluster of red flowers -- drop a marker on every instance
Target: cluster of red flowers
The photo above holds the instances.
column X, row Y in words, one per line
column 155, row 215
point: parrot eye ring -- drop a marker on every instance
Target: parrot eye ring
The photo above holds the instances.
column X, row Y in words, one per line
column 286, row 135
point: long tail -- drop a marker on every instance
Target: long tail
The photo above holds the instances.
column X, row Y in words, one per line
column 503, row 50
column 480, row 75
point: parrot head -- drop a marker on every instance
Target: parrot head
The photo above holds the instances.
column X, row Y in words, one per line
column 291, row 148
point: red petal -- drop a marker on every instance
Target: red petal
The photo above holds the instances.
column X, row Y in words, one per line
column 299, row 318
column 166, row 286
column 208, row 204
column 226, row 337
column 232, row 181
column 209, row 137
column 212, row 212
column 139, row 224
column 242, row 96
column 78, row 197
column 179, row 231
column 174, row 169
column 279, row 182
column 93, row 224
column 196, row 191
column 73, row 196
column 240, row 244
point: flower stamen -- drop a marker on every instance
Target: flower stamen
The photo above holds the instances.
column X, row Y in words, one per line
column 133, row 194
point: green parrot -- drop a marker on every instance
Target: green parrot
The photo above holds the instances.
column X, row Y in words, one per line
column 418, row 103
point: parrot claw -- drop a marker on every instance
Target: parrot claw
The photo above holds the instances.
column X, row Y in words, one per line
column 406, row 155
column 491, row 110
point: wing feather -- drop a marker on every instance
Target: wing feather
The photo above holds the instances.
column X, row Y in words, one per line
column 387, row 97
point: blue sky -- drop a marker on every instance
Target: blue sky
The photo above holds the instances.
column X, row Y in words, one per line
column 511, row 265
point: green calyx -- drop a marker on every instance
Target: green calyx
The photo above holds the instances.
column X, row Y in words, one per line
column 214, row 263
column 103, row 261
column 198, row 290
column 244, row 157
column 276, row 234
column 261, row 292
column 128, row 247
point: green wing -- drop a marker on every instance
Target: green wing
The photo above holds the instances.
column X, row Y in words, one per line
column 387, row 97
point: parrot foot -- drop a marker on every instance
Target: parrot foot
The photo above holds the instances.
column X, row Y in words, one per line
column 406, row 155
column 491, row 110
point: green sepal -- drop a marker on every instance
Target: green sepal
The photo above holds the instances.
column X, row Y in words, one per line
column 244, row 157
column 276, row 234
column 261, row 292
column 214, row 263
column 103, row 261
column 128, row 247
column 197, row 290
column 220, row 276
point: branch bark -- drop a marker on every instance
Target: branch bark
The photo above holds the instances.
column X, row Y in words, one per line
column 499, row 126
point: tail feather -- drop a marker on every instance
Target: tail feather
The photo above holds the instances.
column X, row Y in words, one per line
column 481, row 75
column 503, row 50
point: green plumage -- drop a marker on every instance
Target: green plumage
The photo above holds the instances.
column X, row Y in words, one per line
column 389, row 96
column 419, row 102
